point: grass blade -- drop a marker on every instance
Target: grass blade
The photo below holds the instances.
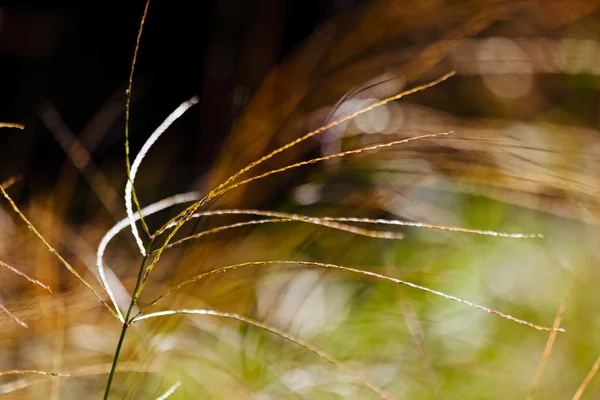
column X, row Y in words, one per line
column 55, row 253
column 11, row 125
column 31, row 372
column 331, row 125
column 333, row 222
column 436, row 227
column 119, row 226
column 297, row 218
column 324, row 158
column 179, row 111
column 34, row 281
column 128, row 102
column 586, row 381
column 548, row 347
column 169, row 392
column 186, row 214
column 10, row 181
column 13, row 316
column 356, row 271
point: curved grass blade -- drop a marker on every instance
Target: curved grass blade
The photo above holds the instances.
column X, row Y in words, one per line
column 187, row 213
column 184, row 215
column 179, row 111
column 193, row 196
column 333, row 222
column 310, row 220
column 329, row 157
column 169, row 391
column 331, row 125
column 436, row 227
column 11, row 125
column 55, row 253
column 277, row 332
column 125, row 222
column 356, row 271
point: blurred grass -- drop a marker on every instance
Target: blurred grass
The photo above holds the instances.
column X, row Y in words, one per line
column 490, row 175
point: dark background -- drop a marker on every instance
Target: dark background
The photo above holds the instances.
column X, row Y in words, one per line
column 76, row 56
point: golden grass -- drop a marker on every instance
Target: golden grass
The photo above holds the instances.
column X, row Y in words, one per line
column 549, row 346
column 586, row 381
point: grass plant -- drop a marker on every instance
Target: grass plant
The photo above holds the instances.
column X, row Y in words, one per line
column 153, row 245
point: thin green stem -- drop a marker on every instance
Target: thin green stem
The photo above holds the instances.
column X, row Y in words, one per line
column 128, row 111
column 126, row 324
column 113, row 369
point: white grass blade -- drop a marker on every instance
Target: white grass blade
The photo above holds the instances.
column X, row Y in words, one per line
column 170, row 391
column 119, row 226
column 283, row 217
column 341, row 227
column 138, row 160
column 436, row 227
column 333, row 222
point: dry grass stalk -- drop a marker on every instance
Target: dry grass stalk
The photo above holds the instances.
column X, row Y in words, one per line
column 586, row 381
column 549, row 346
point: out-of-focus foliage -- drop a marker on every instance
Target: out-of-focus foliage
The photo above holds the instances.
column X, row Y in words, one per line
column 522, row 158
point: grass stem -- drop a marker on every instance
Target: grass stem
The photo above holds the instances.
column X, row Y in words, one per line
column 126, row 324
column 113, row 368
